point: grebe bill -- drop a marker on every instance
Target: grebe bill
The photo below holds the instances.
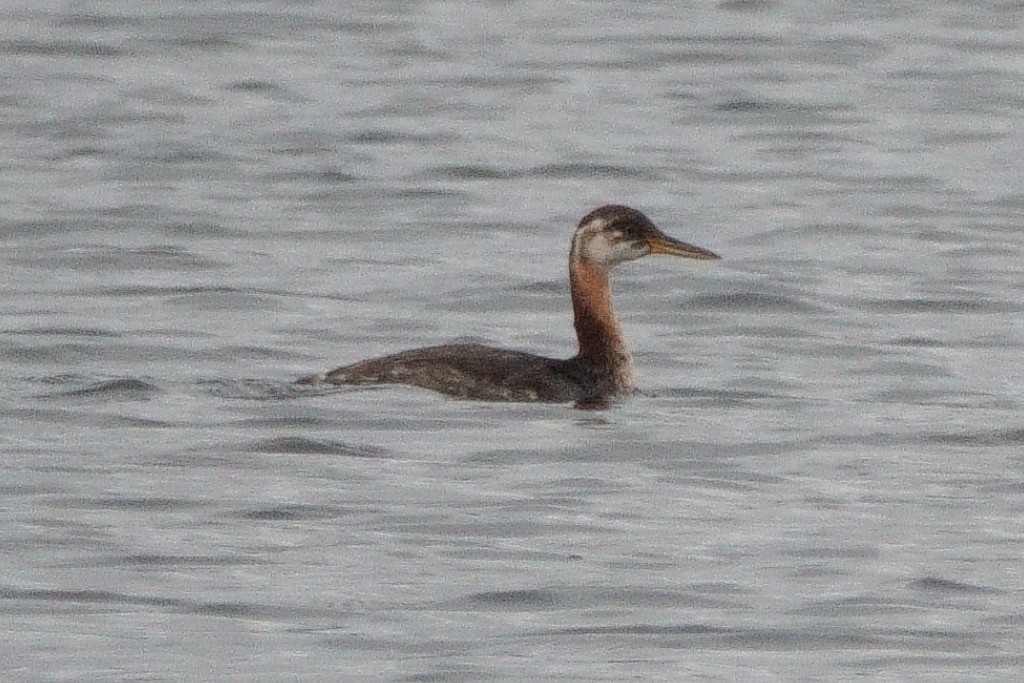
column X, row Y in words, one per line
column 601, row 370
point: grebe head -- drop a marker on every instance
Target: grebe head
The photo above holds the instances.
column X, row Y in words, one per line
column 615, row 234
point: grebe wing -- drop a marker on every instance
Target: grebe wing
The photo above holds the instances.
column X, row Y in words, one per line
column 469, row 371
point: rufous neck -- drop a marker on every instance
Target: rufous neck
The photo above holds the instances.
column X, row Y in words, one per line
column 597, row 331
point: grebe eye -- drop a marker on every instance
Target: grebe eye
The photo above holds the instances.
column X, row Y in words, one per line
column 619, row 236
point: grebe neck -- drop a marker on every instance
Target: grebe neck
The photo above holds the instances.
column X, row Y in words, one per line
column 598, row 333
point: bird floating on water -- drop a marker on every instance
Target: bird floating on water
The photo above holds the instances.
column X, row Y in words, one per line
column 601, row 370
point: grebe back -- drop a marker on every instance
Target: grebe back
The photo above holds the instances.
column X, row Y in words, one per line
column 601, row 370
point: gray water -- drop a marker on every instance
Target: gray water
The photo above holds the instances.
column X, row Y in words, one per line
column 823, row 478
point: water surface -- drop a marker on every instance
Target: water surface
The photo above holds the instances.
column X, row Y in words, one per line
column 821, row 480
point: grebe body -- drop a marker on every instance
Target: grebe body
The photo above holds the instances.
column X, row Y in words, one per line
column 601, row 370
column 487, row 373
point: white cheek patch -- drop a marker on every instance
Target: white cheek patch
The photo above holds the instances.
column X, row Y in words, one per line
column 582, row 238
column 600, row 249
column 593, row 243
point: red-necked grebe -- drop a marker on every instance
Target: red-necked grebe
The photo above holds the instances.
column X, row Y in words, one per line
column 601, row 370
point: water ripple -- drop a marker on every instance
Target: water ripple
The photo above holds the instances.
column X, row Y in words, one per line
column 298, row 444
column 127, row 389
